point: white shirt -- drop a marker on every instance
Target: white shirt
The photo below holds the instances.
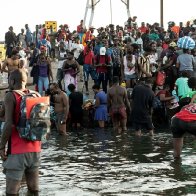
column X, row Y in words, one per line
column 79, row 48
column 60, row 63
column 128, row 70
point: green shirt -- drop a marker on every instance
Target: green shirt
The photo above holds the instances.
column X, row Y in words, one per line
column 183, row 88
column 190, row 94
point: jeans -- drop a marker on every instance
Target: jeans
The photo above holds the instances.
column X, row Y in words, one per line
column 102, row 78
column 88, row 69
column 43, row 83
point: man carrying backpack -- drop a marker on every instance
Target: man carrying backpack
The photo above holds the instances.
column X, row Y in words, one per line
column 22, row 156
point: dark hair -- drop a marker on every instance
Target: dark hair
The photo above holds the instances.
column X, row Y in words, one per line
column 14, row 52
column 71, row 87
column 148, row 49
column 71, row 53
column 149, row 81
column 96, row 86
column 32, row 44
column 115, row 80
column 55, row 84
column 185, row 50
column 192, row 82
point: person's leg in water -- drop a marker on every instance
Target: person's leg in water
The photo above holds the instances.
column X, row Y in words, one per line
column 115, row 122
column 12, row 186
column 60, row 124
column 32, row 179
column 101, row 123
column 123, row 123
column 177, row 144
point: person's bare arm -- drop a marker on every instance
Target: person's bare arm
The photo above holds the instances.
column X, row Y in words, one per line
column 7, row 130
column 50, row 70
column 170, row 63
column 66, row 105
column 193, row 99
column 126, row 100
column 5, row 64
column 164, row 98
column 177, row 65
column 78, row 67
column 97, row 102
column 109, row 100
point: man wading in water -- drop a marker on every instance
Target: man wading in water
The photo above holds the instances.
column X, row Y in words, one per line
column 118, row 103
column 61, row 107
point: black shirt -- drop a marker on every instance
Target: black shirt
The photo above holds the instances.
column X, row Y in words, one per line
column 142, row 97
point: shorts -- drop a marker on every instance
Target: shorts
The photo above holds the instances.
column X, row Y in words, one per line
column 60, row 117
column 143, row 125
column 130, row 77
column 180, row 127
column 119, row 113
column 18, row 164
column 87, row 69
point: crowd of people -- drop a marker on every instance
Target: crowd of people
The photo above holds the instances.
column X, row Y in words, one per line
column 137, row 71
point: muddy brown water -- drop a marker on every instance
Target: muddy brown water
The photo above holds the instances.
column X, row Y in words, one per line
column 104, row 163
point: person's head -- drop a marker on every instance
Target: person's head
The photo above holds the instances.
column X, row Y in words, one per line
column 70, row 55
column 11, row 28
column 192, row 83
column 149, row 82
column 17, row 79
column 181, row 24
column 147, row 50
column 91, row 28
column 185, row 50
column 96, row 88
column 71, row 87
column 42, row 57
column 32, row 46
column 116, row 41
column 153, row 45
column 115, row 80
column 143, row 24
column 62, row 45
column 26, row 26
column 22, row 31
column 54, row 88
column 15, row 54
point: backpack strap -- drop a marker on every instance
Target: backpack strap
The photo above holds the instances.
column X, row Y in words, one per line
column 22, row 93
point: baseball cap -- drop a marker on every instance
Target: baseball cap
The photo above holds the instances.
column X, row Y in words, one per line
column 172, row 44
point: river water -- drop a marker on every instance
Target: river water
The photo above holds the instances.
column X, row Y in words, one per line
column 104, row 163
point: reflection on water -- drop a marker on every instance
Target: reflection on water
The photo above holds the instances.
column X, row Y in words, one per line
column 98, row 162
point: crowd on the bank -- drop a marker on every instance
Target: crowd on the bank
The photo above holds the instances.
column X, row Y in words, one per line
column 133, row 53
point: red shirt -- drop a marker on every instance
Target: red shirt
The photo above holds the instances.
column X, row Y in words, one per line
column 187, row 113
column 102, row 60
column 79, row 28
column 19, row 145
column 143, row 29
column 88, row 56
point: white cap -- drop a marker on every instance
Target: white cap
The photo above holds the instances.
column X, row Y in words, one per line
column 102, row 51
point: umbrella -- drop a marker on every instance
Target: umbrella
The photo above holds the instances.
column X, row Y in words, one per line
column 186, row 42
